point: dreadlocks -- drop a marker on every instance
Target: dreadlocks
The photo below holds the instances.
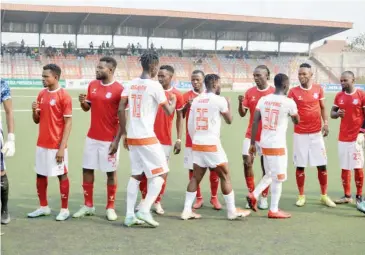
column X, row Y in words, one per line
column 147, row 59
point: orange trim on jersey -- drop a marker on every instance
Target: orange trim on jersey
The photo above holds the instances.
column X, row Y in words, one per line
column 157, row 171
column 204, row 148
column 142, row 141
column 165, row 102
column 281, row 177
column 222, row 164
column 273, row 151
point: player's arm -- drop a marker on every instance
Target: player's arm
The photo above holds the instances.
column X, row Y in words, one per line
column 122, row 115
column 323, row 112
column 255, row 126
column 293, row 112
column 191, row 123
column 168, row 107
column 241, row 109
column 35, row 113
column 227, row 113
column 84, row 103
column 9, row 146
column 66, row 132
column 335, row 113
column 8, row 108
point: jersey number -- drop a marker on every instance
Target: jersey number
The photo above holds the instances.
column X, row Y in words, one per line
column 136, row 105
column 201, row 121
column 271, row 119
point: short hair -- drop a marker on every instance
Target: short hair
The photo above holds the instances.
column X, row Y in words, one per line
column 210, row 79
column 167, row 68
column 148, row 58
column 199, row 72
column 279, row 80
column 349, row 73
column 305, row 65
column 109, row 60
column 55, row 69
column 264, row 67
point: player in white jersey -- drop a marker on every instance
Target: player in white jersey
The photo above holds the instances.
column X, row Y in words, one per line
column 144, row 96
column 273, row 110
column 204, row 127
column 7, row 148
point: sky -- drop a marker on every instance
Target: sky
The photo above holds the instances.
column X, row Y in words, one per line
column 345, row 10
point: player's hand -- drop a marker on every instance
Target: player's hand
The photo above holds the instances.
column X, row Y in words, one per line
column 113, row 148
column 34, row 106
column 177, row 147
column 9, row 146
column 341, row 113
column 125, row 144
column 252, row 150
column 190, row 101
column 173, row 98
column 60, row 156
column 360, row 140
column 82, row 98
column 325, row 130
column 240, row 98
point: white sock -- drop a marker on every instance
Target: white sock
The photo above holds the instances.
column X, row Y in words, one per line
column 276, row 188
column 132, row 193
column 263, row 184
column 230, row 203
column 153, row 189
column 189, row 200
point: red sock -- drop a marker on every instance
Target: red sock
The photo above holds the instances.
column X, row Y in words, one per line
column 265, row 192
column 88, row 193
column 300, row 175
column 322, row 178
column 359, row 180
column 111, row 191
column 346, row 182
column 143, row 187
column 214, row 183
column 158, row 199
column 250, row 182
column 42, row 183
column 198, row 193
column 64, row 191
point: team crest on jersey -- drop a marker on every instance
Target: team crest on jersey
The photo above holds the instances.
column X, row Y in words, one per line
column 300, row 98
column 253, row 98
column 315, row 95
column 355, row 102
column 52, row 102
column 108, row 95
column 94, row 91
column 341, row 102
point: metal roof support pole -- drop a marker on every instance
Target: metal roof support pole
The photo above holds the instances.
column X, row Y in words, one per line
column 310, row 44
column 279, row 46
column 248, row 39
column 216, row 42
column 182, row 42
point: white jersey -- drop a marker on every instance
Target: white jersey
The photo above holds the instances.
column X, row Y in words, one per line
column 144, row 97
column 275, row 110
column 204, row 124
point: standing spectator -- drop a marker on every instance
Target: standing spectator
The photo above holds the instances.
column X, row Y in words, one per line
column 43, row 43
column 64, row 44
column 103, row 45
column 91, row 45
column 107, row 44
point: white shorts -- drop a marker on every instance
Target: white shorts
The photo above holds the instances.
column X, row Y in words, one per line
column 309, row 149
column 96, row 156
column 351, row 155
column 188, row 158
column 148, row 159
column 167, row 151
column 246, row 147
column 210, row 159
column 46, row 164
column 276, row 166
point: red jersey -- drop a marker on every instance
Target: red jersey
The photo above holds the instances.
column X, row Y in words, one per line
column 309, row 108
column 353, row 105
column 104, row 100
column 188, row 96
column 53, row 107
column 252, row 96
column 163, row 122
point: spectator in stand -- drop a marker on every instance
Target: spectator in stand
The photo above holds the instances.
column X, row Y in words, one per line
column 107, row 45
column 133, row 49
column 103, row 45
column 64, row 44
column 91, row 45
column 152, row 46
column 22, row 44
column 43, row 43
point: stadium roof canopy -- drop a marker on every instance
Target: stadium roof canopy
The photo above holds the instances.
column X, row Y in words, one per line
column 19, row 18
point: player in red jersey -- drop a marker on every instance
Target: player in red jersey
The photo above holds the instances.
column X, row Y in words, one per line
column 163, row 129
column 309, row 145
column 101, row 148
column 349, row 106
column 197, row 79
column 53, row 112
column 248, row 102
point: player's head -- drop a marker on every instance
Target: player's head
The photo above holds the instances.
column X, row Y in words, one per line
column 212, row 83
column 105, row 68
column 281, row 82
column 165, row 75
column 261, row 75
column 197, row 79
column 347, row 81
column 305, row 74
column 149, row 61
column 51, row 75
